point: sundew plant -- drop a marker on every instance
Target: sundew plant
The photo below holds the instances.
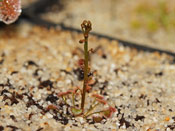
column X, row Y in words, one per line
column 77, row 96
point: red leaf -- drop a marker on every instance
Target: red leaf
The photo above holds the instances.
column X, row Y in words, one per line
column 91, row 82
column 101, row 101
column 112, row 109
column 88, row 88
column 97, row 96
column 63, row 93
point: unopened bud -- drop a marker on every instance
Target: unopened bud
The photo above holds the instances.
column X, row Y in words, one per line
column 81, row 41
column 81, row 62
column 91, row 50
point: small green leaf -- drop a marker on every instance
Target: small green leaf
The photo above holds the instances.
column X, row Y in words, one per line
column 76, row 111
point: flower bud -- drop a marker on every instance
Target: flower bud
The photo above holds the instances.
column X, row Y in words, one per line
column 81, row 41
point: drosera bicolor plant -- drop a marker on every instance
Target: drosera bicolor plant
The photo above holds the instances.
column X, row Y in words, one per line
column 77, row 96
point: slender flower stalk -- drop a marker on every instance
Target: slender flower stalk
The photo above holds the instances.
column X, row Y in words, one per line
column 78, row 108
column 86, row 28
